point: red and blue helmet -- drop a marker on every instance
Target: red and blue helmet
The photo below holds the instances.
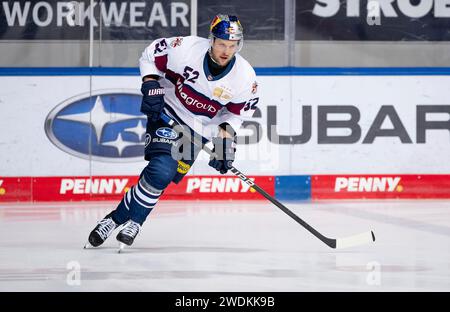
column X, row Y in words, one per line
column 227, row 27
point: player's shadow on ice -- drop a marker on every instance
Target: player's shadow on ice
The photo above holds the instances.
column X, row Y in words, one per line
column 197, row 249
column 182, row 249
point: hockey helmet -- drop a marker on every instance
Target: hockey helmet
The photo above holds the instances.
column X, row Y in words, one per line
column 227, row 27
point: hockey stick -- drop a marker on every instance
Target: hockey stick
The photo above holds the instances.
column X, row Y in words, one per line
column 354, row 240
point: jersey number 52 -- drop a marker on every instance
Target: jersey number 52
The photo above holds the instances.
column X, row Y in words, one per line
column 251, row 104
column 160, row 46
column 190, row 74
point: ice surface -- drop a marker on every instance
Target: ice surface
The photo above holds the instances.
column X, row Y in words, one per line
column 228, row 246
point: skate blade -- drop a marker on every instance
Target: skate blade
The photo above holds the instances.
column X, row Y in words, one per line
column 88, row 246
column 121, row 247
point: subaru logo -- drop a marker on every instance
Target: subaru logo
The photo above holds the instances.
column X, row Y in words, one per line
column 104, row 125
column 166, row 133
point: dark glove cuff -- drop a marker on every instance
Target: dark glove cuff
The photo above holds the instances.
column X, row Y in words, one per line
column 228, row 128
column 156, row 77
column 150, row 85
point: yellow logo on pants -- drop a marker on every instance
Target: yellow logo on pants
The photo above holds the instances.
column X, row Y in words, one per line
column 183, row 168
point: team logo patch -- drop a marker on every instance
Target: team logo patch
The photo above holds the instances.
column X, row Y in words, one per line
column 223, row 94
column 166, row 133
column 254, row 87
column 183, row 168
column 176, row 42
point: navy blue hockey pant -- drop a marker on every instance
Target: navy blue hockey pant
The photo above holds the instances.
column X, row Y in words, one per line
column 166, row 163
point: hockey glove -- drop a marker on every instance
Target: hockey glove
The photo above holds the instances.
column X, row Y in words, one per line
column 225, row 149
column 152, row 100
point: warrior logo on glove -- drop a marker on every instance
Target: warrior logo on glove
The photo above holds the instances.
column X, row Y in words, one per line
column 156, row 92
column 152, row 100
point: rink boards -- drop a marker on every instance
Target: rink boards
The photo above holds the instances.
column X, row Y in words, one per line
column 316, row 187
column 76, row 134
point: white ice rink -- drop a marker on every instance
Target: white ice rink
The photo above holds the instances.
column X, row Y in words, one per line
column 228, row 246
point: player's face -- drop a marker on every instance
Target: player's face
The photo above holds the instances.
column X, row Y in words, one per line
column 224, row 50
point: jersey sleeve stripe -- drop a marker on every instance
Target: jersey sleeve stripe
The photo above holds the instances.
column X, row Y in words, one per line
column 235, row 108
column 161, row 63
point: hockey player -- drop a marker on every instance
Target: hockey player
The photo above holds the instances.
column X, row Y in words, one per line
column 205, row 86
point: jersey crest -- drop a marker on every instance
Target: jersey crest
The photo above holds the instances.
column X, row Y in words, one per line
column 222, row 93
column 254, row 87
column 176, row 42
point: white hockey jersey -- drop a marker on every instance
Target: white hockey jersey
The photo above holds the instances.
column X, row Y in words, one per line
column 192, row 95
